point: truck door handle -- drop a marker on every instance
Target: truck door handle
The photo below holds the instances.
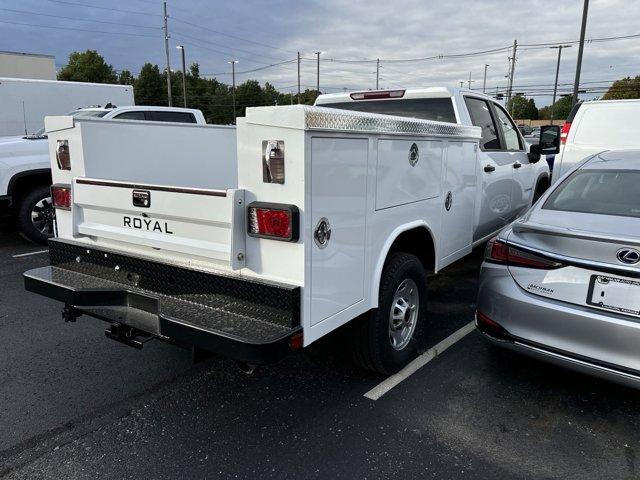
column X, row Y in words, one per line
column 489, row 168
column 517, row 165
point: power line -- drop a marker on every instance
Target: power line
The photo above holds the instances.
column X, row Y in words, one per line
column 285, row 62
column 134, row 12
column 225, row 53
column 79, row 19
column 78, row 29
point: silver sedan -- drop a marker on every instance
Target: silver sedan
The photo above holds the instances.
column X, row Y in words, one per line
column 562, row 283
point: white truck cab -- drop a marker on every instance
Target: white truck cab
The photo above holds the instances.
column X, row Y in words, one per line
column 335, row 217
column 512, row 179
column 25, row 170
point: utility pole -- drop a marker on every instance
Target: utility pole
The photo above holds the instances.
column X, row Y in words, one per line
column 461, row 83
column 511, row 71
column 583, row 30
column 298, row 77
column 184, row 76
column 318, row 74
column 233, row 91
column 470, row 80
column 484, row 82
column 166, row 49
column 555, row 86
column 377, row 73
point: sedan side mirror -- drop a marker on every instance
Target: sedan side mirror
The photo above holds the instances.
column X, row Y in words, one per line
column 549, row 139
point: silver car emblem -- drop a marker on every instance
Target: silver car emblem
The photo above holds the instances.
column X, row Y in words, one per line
column 630, row 256
column 414, row 154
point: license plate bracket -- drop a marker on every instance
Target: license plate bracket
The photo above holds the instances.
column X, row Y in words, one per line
column 614, row 294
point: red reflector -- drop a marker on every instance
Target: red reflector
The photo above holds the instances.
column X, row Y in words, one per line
column 378, row 94
column 564, row 132
column 61, row 196
column 279, row 222
column 295, row 342
column 490, row 327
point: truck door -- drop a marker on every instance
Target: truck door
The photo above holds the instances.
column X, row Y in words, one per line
column 495, row 171
column 338, row 212
column 513, row 146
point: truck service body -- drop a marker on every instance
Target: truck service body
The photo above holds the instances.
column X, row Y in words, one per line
column 335, row 218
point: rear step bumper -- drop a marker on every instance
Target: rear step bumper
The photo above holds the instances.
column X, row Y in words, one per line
column 240, row 319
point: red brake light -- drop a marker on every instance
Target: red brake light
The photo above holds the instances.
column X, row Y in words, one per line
column 377, row 95
column 61, row 196
column 564, row 132
column 279, row 222
column 499, row 252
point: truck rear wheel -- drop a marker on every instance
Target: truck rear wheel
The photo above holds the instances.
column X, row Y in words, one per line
column 385, row 339
column 36, row 215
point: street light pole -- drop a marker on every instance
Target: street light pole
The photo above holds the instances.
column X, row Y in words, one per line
column 184, row 76
column 233, row 91
column 298, row 77
column 484, row 82
column 555, row 86
column 583, row 30
column 377, row 74
column 318, row 73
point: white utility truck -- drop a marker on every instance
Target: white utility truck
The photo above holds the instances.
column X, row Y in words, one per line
column 25, row 168
column 336, row 218
column 25, row 102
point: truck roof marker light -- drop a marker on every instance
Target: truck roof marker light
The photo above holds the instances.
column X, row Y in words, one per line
column 375, row 95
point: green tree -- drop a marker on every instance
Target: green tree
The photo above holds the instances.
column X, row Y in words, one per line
column 522, row 108
column 150, row 87
column 623, row 89
column 88, row 66
column 561, row 109
column 125, row 77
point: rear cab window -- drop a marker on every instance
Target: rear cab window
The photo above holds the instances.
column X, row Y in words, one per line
column 438, row 109
column 605, row 192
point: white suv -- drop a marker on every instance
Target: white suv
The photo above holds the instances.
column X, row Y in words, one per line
column 25, row 171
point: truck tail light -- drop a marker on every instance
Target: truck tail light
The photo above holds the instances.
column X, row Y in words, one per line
column 62, row 155
column 273, row 220
column 500, row 252
column 564, row 132
column 377, row 95
column 61, row 196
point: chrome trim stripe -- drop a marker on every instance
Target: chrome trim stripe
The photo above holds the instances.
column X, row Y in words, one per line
column 351, row 120
column 144, row 186
column 579, row 262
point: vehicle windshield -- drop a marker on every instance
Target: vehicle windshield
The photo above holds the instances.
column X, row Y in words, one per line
column 440, row 109
column 75, row 114
column 606, row 192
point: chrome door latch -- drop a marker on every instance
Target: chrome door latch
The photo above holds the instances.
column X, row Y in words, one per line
column 322, row 233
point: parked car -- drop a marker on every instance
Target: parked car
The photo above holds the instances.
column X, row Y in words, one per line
column 25, row 170
column 334, row 216
column 596, row 126
column 525, row 129
column 563, row 282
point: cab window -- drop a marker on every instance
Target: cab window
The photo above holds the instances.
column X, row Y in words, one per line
column 165, row 116
column 509, row 130
column 130, row 116
column 482, row 117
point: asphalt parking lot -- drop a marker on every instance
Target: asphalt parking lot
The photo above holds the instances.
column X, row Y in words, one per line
column 74, row 404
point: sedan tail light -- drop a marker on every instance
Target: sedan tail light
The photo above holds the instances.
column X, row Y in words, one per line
column 498, row 251
column 273, row 220
column 61, row 196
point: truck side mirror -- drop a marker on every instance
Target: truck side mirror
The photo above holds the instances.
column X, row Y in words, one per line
column 549, row 139
column 534, row 153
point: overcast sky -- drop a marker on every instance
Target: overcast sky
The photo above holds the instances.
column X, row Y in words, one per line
column 259, row 33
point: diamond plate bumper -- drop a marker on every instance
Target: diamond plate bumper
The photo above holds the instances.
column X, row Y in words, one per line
column 242, row 319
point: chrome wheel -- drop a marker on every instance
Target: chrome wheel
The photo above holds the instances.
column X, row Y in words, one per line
column 42, row 216
column 404, row 313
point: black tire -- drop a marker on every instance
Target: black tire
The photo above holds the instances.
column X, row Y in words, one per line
column 371, row 336
column 31, row 203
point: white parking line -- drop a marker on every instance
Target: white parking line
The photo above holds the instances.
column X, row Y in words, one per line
column 379, row 390
column 29, row 253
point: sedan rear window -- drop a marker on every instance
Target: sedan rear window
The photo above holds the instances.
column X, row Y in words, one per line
column 606, row 192
column 440, row 109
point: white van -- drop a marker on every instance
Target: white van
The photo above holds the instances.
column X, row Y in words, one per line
column 593, row 127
